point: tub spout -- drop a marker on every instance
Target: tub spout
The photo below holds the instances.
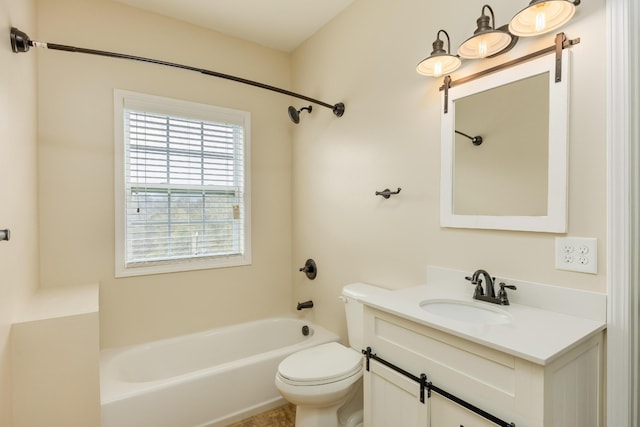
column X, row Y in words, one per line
column 306, row 304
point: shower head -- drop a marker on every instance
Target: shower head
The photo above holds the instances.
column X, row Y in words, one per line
column 294, row 114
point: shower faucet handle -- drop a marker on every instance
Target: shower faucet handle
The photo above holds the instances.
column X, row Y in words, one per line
column 310, row 269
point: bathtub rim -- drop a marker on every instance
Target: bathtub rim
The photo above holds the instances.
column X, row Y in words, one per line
column 113, row 390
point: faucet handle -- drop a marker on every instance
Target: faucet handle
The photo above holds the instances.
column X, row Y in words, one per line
column 478, row 283
column 502, row 294
column 310, row 269
column 504, row 285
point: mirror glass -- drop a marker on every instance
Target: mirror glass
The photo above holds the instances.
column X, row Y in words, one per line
column 515, row 178
column 488, row 179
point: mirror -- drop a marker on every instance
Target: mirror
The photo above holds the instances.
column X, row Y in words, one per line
column 504, row 150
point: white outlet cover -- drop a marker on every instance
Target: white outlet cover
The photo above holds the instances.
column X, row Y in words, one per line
column 577, row 254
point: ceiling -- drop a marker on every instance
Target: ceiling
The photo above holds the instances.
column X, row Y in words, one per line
column 278, row 24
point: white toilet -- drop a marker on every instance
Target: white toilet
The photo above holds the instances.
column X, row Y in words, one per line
column 325, row 382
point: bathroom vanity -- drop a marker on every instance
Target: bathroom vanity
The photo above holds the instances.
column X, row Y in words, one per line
column 438, row 358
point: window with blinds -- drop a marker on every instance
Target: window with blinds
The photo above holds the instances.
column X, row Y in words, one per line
column 183, row 190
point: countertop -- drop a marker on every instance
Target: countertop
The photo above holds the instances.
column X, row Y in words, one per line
column 533, row 334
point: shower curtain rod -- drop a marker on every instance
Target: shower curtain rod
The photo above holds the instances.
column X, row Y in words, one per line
column 20, row 42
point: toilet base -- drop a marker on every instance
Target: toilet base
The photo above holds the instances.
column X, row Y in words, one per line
column 317, row 417
column 346, row 413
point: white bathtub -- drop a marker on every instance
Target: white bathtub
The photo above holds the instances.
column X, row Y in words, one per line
column 211, row 378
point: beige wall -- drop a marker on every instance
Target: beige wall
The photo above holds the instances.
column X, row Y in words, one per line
column 389, row 137
column 76, row 166
column 18, row 178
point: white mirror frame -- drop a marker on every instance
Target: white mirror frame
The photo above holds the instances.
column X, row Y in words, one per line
column 555, row 221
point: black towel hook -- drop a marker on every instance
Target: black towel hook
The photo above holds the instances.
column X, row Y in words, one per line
column 386, row 193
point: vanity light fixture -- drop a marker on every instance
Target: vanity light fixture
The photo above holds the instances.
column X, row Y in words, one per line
column 542, row 16
column 440, row 61
column 486, row 40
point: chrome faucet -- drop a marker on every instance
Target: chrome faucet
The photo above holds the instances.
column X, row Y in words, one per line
column 490, row 294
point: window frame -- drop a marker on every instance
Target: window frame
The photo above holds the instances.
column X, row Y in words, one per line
column 185, row 109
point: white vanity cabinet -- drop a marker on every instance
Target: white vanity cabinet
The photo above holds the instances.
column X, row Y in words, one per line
column 445, row 413
column 566, row 391
column 392, row 399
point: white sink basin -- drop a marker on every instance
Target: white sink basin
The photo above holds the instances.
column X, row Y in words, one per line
column 469, row 312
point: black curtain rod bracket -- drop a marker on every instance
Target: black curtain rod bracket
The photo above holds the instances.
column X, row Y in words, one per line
column 20, row 42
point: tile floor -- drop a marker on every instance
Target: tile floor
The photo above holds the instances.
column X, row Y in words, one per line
column 284, row 416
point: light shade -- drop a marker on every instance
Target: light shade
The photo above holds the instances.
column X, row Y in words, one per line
column 440, row 61
column 542, row 16
column 438, row 65
column 486, row 40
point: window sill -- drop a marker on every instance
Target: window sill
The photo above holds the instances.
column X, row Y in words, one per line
column 177, row 266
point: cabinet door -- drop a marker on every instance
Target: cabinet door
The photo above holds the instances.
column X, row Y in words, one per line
column 445, row 413
column 391, row 399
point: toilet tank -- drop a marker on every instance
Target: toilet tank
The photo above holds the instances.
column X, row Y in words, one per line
column 354, row 309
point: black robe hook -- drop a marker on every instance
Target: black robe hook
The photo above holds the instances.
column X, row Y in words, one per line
column 386, row 193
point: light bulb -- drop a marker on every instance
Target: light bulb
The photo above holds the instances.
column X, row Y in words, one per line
column 482, row 48
column 437, row 69
column 541, row 21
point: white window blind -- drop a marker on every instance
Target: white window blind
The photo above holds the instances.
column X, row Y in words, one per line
column 184, row 188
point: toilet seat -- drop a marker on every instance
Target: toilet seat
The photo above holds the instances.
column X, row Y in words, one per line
column 323, row 364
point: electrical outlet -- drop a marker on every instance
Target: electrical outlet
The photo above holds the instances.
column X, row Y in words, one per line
column 577, row 254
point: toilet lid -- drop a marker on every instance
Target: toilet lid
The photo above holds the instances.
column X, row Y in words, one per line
column 322, row 364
